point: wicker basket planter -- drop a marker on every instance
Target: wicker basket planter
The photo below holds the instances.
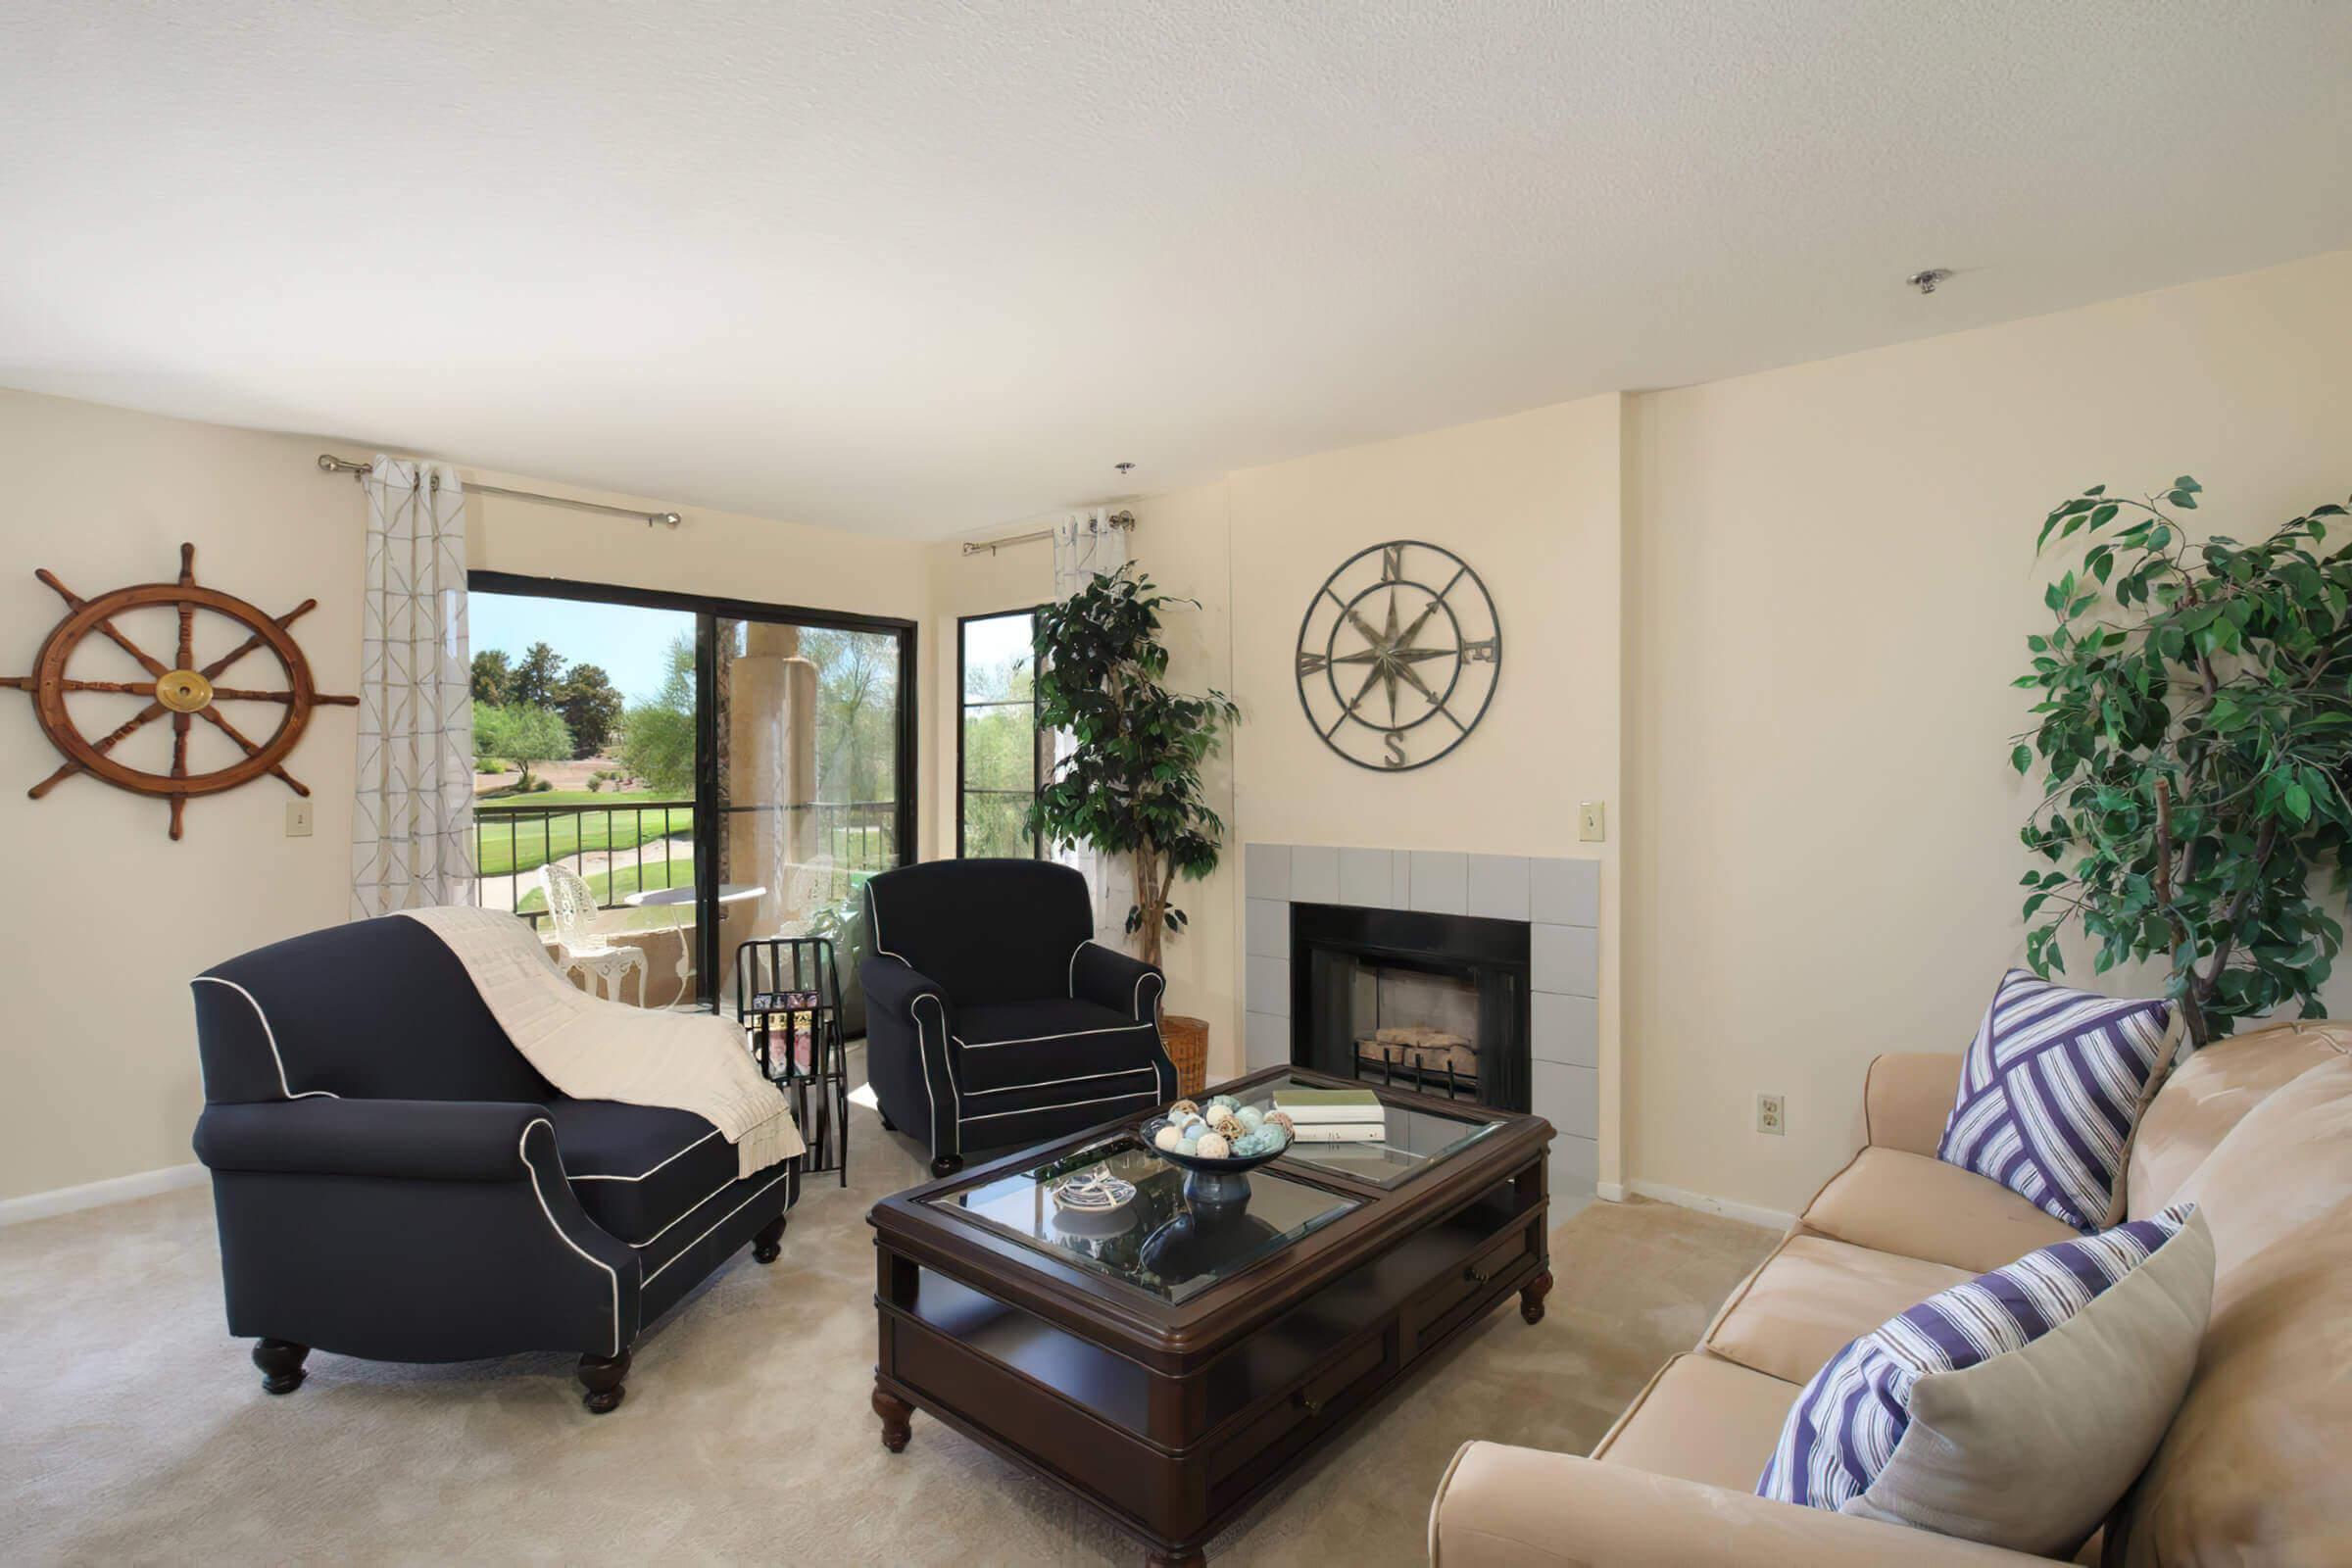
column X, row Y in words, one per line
column 1187, row 1039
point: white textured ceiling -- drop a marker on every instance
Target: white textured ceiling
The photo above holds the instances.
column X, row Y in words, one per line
column 920, row 268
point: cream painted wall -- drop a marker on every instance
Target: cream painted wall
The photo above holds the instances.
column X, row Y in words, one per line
column 1831, row 577
column 111, row 917
column 1531, row 502
column 108, row 917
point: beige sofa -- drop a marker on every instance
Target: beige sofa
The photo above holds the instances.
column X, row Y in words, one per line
column 2256, row 1130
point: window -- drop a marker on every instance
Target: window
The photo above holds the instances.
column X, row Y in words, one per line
column 711, row 769
column 997, row 743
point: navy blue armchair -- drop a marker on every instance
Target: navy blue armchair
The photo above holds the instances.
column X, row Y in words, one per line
column 393, row 1181
column 993, row 1017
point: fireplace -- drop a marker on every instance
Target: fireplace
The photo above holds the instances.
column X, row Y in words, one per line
column 1433, row 1002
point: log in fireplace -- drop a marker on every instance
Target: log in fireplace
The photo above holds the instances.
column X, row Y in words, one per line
column 1436, row 1002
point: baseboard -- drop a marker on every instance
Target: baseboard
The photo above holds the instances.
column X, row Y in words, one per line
column 94, row 1194
column 1754, row 1214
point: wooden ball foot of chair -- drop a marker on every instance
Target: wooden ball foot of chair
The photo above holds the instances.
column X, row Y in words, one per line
column 280, row 1361
column 768, row 1244
column 601, row 1375
column 947, row 1164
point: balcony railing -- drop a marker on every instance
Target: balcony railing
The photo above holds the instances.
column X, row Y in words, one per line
column 627, row 847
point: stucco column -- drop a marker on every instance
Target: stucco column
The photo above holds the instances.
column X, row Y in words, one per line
column 771, row 766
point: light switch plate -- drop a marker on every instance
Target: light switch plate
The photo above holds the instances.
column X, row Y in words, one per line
column 298, row 819
column 1593, row 821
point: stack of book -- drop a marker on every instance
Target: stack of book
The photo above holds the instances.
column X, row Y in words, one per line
column 1332, row 1115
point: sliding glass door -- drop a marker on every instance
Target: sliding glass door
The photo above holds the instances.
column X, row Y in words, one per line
column 731, row 771
column 813, row 780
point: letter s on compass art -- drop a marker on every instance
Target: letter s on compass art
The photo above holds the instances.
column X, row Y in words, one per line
column 1398, row 654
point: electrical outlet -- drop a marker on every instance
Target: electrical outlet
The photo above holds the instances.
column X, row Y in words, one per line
column 1593, row 821
column 298, row 819
column 1770, row 1116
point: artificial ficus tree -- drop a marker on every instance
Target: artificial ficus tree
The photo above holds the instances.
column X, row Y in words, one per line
column 2195, row 733
column 1130, row 784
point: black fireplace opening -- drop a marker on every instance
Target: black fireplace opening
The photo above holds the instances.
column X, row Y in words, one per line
column 1433, row 1002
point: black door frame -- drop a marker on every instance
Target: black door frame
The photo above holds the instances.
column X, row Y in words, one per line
column 1037, row 769
column 709, row 610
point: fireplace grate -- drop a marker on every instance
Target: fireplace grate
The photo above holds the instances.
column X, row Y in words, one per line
column 1410, row 1067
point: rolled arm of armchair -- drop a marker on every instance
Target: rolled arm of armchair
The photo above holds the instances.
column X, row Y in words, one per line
column 1111, row 979
column 1501, row 1505
column 908, row 1050
column 429, row 1140
column 1906, row 1099
column 891, row 986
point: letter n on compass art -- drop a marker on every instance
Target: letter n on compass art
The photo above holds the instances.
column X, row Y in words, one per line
column 1398, row 654
column 66, row 705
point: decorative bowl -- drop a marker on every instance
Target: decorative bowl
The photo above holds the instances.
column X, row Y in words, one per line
column 1216, row 1181
column 1093, row 1192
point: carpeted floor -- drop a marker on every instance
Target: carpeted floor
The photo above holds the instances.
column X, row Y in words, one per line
column 135, row 1430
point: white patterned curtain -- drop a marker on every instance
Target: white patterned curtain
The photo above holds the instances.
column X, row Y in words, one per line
column 411, row 826
column 1086, row 547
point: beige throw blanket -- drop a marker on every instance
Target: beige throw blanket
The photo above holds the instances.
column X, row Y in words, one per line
column 597, row 1049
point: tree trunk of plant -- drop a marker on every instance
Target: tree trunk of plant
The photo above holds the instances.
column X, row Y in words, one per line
column 2193, row 1016
column 1151, row 900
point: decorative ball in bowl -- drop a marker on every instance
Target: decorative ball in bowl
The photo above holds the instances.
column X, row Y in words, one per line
column 1218, row 1144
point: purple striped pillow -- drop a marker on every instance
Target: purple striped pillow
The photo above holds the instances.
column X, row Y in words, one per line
column 1841, row 1435
column 2049, row 1091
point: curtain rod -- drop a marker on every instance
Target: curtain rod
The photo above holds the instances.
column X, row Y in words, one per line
column 1117, row 519
column 332, row 463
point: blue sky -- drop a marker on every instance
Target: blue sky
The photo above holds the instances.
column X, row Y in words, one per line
column 631, row 644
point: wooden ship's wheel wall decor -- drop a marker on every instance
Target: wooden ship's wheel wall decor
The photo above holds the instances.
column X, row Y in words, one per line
column 180, row 688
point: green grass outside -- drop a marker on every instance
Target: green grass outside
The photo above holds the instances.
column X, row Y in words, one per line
column 514, row 841
column 509, row 797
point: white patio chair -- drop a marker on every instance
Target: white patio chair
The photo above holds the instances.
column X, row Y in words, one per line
column 578, row 944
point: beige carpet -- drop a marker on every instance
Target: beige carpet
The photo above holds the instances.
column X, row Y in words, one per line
column 134, row 1430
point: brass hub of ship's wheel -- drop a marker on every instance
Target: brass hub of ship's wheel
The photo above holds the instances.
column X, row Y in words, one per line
column 181, row 689
column 185, row 691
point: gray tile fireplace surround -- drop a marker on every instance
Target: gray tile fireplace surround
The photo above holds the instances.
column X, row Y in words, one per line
column 1559, row 899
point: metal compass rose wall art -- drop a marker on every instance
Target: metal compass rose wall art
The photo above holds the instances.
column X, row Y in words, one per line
column 180, row 688
column 1399, row 655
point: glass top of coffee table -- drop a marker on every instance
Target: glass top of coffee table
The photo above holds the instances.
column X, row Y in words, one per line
column 1161, row 1241
column 1410, row 1140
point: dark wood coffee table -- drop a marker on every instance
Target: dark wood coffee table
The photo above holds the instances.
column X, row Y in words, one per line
column 1169, row 1363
